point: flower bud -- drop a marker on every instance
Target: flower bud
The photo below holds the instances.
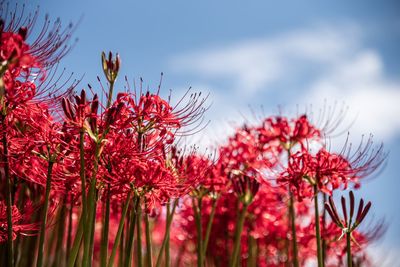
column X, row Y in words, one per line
column 110, row 66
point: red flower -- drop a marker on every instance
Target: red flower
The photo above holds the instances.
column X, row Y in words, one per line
column 20, row 221
column 287, row 132
column 330, row 171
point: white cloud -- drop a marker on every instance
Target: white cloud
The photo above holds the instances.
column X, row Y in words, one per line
column 360, row 82
column 329, row 63
column 253, row 64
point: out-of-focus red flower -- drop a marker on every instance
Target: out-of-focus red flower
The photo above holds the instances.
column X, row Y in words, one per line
column 20, row 220
column 329, row 171
column 287, row 132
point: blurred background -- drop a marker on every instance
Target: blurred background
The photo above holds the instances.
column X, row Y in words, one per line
column 260, row 57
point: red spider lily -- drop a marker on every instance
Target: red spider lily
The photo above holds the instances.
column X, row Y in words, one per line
column 25, row 61
column 16, row 70
column 154, row 182
column 330, row 171
column 231, row 211
column 153, row 112
column 51, row 42
column 192, row 170
column 243, row 151
column 20, row 220
column 35, row 140
column 287, row 132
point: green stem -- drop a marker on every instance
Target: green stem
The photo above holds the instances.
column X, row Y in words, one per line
column 9, row 185
column 90, row 219
column 104, row 238
column 44, row 216
column 131, row 233
column 199, row 229
column 69, row 238
column 77, row 243
column 119, row 232
column 60, row 234
column 323, row 230
column 208, row 229
column 148, row 241
column 348, row 248
column 167, row 237
column 292, row 215
column 121, row 245
column 252, row 250
column 93, row 222
column 170, row 216
column 238, row 235
column 82, row 175
column 19, row 245
column 110, row 93
column 317, row 227
column 139, row 235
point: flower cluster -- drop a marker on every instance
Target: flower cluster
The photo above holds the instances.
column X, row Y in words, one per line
column 92, row 183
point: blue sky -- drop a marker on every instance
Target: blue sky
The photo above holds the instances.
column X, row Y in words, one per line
column 259, row 53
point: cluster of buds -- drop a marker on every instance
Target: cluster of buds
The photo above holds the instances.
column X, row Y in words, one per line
column 78, row 112
column 110, row 66
column 347, row 224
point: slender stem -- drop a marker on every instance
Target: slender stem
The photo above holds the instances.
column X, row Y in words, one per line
column 60, row 234
column 44, row 215
column 82, row 173
column 92, row 223
column 9, row 185
column 208, row 229
column 166, row 235
column 292, row 215
column 252, row 250
column 104, row 238
column 19, row 245
column 148, row 241
column 69, row 238
column 131, row 232
column 199, row 229
column 238, row 235
column 121, row 245
column 348, row 248
column 50, row 238
column 324, row 229
column 77, row 243
column 285, row 252
column 119, row 232
column 317, row 227
column 139, row 235
column 110, row 93
column 90, row 220
column 292, row 218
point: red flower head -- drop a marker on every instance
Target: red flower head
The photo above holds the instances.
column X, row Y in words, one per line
column 20, row 221
column 25, row 62
column 330, row 171
column 288, row 133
